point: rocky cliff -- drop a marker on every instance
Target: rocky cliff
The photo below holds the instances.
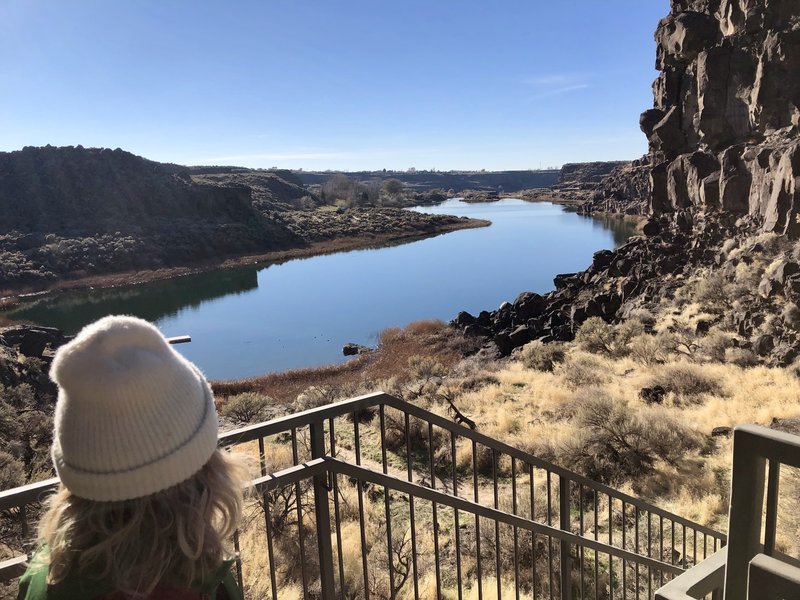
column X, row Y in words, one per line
column 722, row 169
column 723, row 130
column 77, row 212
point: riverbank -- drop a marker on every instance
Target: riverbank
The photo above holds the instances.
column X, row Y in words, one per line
column 9, row 297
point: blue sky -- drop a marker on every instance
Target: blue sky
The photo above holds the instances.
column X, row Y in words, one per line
column 339, row 84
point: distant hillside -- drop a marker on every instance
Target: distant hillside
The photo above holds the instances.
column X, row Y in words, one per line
column 75, row 212
column 458, row 181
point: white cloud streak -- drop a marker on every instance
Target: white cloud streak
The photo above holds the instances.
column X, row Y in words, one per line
column 279, row 157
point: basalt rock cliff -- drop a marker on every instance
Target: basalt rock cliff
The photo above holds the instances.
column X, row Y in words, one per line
column 77, row 212
column 723, row 130
column 723, row 167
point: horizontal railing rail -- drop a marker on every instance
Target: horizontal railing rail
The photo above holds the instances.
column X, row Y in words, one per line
column 346, row 407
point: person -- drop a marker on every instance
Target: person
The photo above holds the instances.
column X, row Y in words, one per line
column 147, row 502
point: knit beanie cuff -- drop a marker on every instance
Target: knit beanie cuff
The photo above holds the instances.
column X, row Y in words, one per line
column 166, row 472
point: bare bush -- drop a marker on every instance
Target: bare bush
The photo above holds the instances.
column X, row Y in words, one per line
column 648, row 349
column 542, row 357
column 614, row 444
column 741, row 357
column 685, row 380
column 247, row 407
column 580, row 370
column 598, row 337
column 713, row 345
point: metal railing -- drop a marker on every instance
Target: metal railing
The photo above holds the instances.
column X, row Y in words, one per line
column 750, row 566
column 378, row 498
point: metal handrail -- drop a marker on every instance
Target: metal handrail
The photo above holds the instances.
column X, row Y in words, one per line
column 324, row 463
column 345, row 407
column 333, row 465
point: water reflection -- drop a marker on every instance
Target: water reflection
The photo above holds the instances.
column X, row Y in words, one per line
column 152, row 301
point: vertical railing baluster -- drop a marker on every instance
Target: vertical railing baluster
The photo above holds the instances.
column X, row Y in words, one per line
column 596, row 553
column 387, row 501
column 299, row 506
column 636, row 543
column 456, row 523
column 237, row 550
column 550, row 538
column 336, row 512
column 649, row 554
column 532, row 486
column 322, row 511
column 514, row 529
column 364, row 567
column 476, row 495
column 581, row 550
column 661, row 547
column 496, row 527
column 565, row 524
column 624, row 562
column 610, row 543
column 411, row 509
column 685, row 558
column 435, row 516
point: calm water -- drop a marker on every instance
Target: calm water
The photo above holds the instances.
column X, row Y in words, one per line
column 252, row 320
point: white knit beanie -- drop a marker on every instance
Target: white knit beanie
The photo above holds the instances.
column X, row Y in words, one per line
column 133, row 416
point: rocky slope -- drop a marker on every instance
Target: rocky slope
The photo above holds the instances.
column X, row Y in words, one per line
column 723, row 167
column 457, row 181
column 81, row 213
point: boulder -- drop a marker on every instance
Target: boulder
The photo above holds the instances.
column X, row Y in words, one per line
column 32, row 340
column 763, row 345
column 352, row 349
column 721, row 432
column 653, row 395
column 529, row 305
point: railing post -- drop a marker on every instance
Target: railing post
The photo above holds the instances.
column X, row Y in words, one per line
column 323, row 515
column 744, row 520
column 565, row 524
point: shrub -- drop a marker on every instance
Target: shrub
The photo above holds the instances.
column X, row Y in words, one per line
column 580, row 370
column 791, row 315
column 685, row 380
column 542, row 357
column 714, row 290
column 598, row 337
column 12, row 471
column 648, row 349
column 315, row 396
column 741, row 357
column 613, row 444
column 246, row 407
column 714, row 344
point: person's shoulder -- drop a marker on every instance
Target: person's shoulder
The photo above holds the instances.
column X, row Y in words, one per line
column 33, row 583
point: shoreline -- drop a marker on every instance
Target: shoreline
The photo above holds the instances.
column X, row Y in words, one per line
column 9, row 298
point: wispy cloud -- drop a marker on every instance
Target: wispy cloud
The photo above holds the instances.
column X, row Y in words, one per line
column 558, row 91
column 554, row 84
column 278, row 157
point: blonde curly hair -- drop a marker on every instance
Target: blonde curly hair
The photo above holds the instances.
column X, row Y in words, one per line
column 175, row 536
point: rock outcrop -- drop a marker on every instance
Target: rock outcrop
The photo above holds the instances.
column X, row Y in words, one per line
column 723, row 130
column 723, row 165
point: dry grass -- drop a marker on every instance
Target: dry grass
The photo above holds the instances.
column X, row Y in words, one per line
column 397, row 350
column 569, row 415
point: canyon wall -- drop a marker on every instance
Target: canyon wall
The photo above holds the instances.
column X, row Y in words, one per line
column 723, row 130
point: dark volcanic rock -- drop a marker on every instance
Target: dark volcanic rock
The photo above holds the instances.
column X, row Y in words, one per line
column 723, row 163
column 32, row 340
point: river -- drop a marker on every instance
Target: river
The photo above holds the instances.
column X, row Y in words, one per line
column 251, row 320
